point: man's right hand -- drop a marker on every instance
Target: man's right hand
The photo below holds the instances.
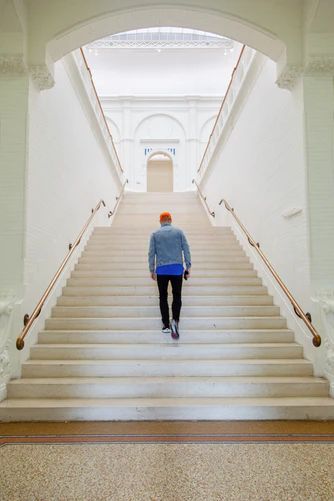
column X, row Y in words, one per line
column 154, row 276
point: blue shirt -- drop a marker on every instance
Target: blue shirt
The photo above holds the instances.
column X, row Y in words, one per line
column 170, row 269
column 168, row 245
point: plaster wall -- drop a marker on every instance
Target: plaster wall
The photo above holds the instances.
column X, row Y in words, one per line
column 179, row 126
column 69, row 171
column 259, row 168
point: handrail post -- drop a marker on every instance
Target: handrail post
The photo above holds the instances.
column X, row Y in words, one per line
column 306, row 317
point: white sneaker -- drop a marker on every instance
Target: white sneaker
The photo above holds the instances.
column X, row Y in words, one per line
column 165, row 330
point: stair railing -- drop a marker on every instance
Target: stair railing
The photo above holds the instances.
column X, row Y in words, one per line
column 28, row 320
column 101, row 111
column 212, row 213
column 306, row 317
column 118, row 199
column 221, row 109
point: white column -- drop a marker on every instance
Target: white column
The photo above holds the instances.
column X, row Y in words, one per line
column 191, row 143
column 127, row 143
column 319, row 135
column 13, row 150
column 319, row 150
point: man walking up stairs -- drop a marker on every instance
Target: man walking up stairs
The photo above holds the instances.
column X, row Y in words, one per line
column 168, row 248
column 102, row 355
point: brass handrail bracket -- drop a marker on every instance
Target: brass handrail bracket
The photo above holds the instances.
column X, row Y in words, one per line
column 118, row 199
column 306, row 317
column 212, row 213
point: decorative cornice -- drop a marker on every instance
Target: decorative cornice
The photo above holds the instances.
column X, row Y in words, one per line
column 289, row 76
column 320, row 64
column 317, row 64
column 12, row 64
column 41, row 76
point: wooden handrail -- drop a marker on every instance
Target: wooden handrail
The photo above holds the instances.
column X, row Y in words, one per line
column 306, row 317
column 212, row 213
column 118, row 199
column 28, row 320
column 221, row 106
column 101, row 109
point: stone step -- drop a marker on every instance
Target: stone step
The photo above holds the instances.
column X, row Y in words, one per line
column 153, row 300
column 155, row 323
column 117, row 246
column 110, row 368
column 143, row 272
column 130, row 281
column 214, row 255
column 151, row 289
column 141, row 261
column 229, row 408
column 154, row 311
column 154, row 336
column 164, row 351
column 144, row 238
column 111, row 230
column 167, row 387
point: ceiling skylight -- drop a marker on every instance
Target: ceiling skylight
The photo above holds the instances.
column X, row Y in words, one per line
column 163, row 38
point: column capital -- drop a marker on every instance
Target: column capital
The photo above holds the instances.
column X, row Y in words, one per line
column 42, row 76
column 289, row 75
column 12, row 64
column 320, row 64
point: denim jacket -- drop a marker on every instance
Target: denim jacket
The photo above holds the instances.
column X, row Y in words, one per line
column 166, row 247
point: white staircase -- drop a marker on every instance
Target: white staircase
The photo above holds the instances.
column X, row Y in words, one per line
column 102, row 355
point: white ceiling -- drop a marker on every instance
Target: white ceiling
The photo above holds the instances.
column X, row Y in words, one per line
column 165, row 71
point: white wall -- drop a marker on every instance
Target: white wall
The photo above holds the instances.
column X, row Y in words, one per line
column 69, row 171
column 178, row 125
column 259, row 168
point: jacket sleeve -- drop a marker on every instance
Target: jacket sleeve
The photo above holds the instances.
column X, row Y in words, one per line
column 186, row 250
column 151, row 254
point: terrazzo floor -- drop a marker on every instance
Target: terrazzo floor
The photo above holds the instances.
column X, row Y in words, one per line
column 167, row 461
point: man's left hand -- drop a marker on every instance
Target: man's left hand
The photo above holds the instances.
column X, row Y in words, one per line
column 154, row 276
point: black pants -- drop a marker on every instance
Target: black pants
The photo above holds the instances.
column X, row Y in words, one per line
column 176, row 281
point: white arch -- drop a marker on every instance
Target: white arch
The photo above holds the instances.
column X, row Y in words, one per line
column 205, row 125
column 213, row 20
column 160, row 152
column 153, row 115
column 114, row 129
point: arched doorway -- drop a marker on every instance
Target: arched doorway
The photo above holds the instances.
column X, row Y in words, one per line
column 160, row 173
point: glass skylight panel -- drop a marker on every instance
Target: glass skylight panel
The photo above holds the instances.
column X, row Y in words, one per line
column 163, row 37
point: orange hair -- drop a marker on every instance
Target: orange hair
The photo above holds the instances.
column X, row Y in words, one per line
column 165, row 215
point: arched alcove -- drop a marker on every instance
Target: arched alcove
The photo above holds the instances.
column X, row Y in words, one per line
column 160, row 172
